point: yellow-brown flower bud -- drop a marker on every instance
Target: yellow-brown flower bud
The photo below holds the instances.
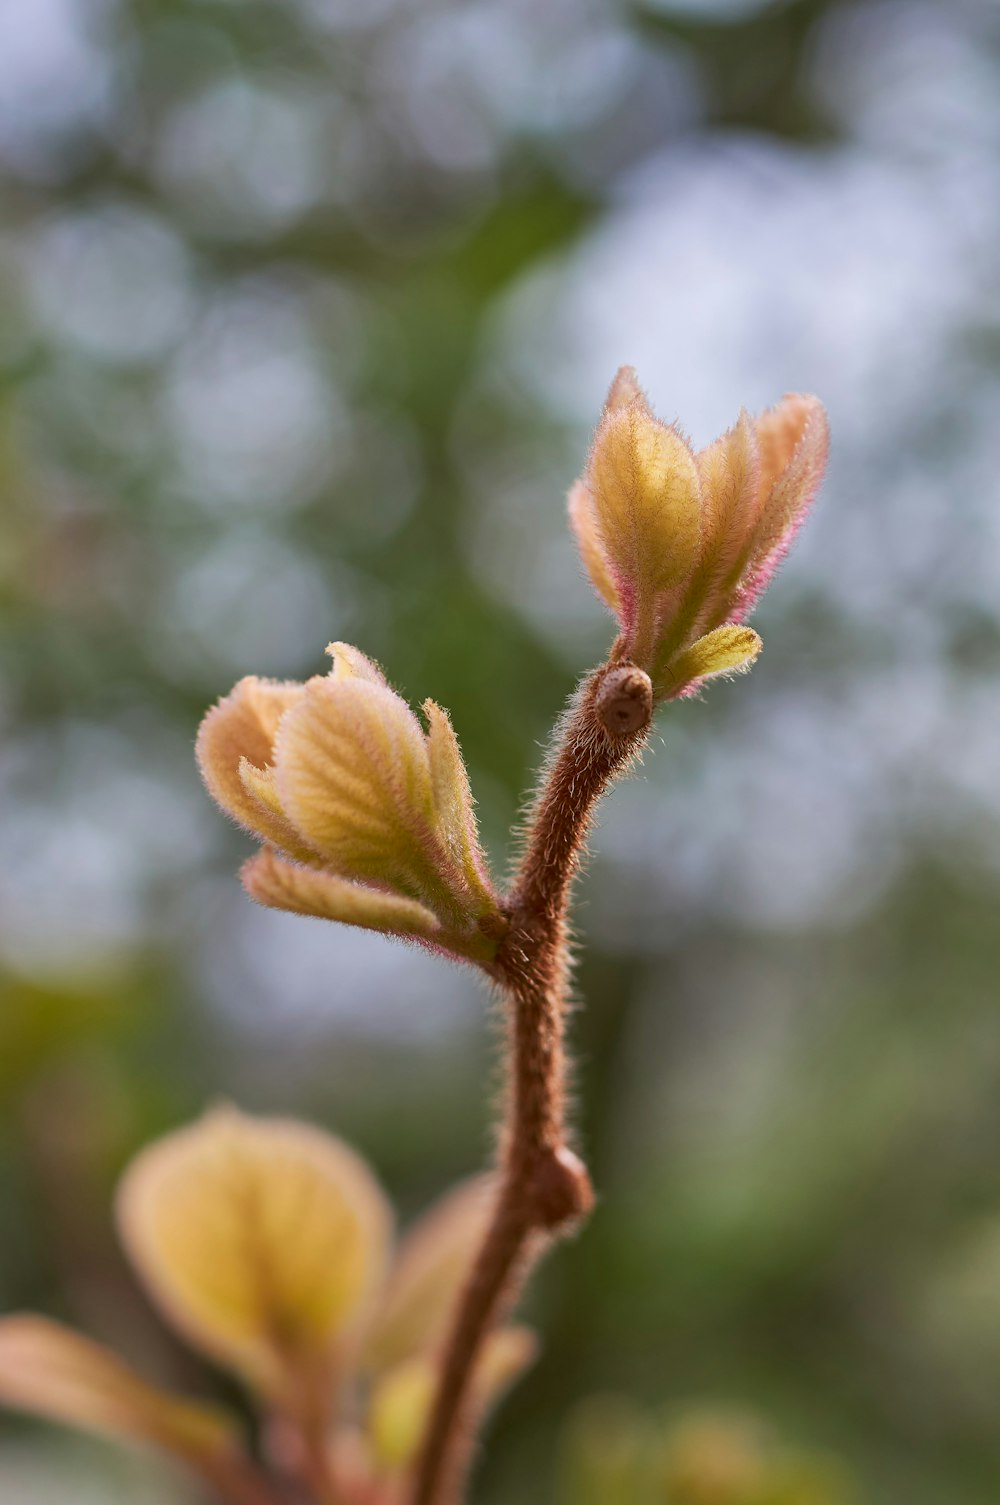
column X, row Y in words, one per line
column 680, row 544
column 367, row 817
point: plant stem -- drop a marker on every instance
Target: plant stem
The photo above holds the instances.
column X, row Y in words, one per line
column 298, row 1437
column 544, row 1187
column 316, row 1472
column 235, row 1481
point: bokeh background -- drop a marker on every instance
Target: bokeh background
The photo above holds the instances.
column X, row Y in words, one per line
column 306, row 309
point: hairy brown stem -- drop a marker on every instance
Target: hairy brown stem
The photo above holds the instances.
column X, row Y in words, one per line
column 316, row 1473
column 235, row 1481
column 296, row 1439
column 544, row 1188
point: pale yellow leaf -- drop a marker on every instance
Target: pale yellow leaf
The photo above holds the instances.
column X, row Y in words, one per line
column 350, row 663
column 799, row 438
column 454, row 808
column 399, row 1411
column 51, row 1371
column 262, row 786
column 728, row 650
column 260, row 1239
column 583, row 521
column 277, row 884
column 401, row 1401
column 730, row 475
column 354, row 778
column 646, row 491
column 624, row 389
column 240, row 728
column 429, row 1273
column 779, row 431
column 731, row 494
column 508, row 1352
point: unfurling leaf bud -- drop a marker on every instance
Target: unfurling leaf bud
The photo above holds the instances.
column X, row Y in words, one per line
column 681, row 544
column 212, row 1219
column 267, row 1244
column 367, row 818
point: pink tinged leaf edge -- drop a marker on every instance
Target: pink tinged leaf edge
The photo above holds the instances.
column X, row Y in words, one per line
column 275, row 883
column 52, row 1371
column 722, row 653
column 632, row 499
column 793, row 494
column 243, row 724
column 729, row 474
column 350, row 663
column 455, row 813
column 621, row 577
column 779, row 430
column 625, row 388
column 597, row 567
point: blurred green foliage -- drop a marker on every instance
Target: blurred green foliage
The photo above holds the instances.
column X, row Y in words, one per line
column 613, row 1454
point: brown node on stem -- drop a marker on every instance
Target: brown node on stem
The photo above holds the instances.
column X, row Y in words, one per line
column 560, row 1190
column 495, row 926
column 624, row 702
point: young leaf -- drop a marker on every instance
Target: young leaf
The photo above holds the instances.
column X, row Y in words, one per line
column 402, row 1398
column 260, row 1239
column 51, row 1371
column 433, row 1262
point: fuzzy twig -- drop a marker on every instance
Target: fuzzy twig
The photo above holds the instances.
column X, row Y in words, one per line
column 545, row 1188
column 235, row 1481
